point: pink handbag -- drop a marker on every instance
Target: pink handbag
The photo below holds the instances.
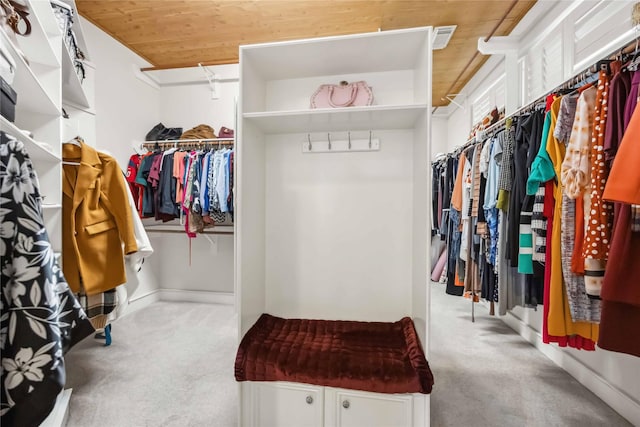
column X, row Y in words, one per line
column 345, row 94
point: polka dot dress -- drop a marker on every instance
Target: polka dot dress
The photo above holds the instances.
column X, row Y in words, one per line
column 598, row 227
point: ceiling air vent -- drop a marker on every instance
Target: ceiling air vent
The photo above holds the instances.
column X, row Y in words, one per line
column 442, row 35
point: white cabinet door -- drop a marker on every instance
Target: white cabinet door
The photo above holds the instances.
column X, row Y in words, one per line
column 348, row 408
column 285, row 404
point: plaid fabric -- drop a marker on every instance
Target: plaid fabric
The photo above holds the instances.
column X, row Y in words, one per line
column 635, row 217
column 509, row 142
column 98, row 306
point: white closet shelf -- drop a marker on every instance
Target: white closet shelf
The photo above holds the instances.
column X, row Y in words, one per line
column 60, row 413
column 220, row 229
column 46, row 17
column 356, row 53
column 51, row 206
column 35, row 150
column 77, row 28
column 37, row 46
column 72, row 89
column 338, row 119
column 32, row 96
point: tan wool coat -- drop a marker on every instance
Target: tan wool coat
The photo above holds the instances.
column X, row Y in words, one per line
column 97, row 222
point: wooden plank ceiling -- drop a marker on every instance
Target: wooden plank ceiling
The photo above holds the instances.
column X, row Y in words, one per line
column 175, row 34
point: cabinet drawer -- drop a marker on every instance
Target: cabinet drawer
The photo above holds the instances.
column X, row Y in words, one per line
column 285, row 404
column 348, row 408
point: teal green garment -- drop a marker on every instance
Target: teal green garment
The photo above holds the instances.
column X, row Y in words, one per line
column 525, row 254
column 542, row 168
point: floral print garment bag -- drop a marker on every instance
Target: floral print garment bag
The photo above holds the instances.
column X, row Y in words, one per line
column 40, row 317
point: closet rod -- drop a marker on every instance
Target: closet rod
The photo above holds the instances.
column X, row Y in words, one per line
column 188, row 142
column 164, row 230
column 161, row 141
column 574, row 80
column 580, row 77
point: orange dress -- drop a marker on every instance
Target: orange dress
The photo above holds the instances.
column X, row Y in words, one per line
column 623, row 184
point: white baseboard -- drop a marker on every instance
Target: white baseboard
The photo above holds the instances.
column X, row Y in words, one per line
column 180, row 295
column 612, row 396
column 60, row 413
column 142, row 301
column 206, row 297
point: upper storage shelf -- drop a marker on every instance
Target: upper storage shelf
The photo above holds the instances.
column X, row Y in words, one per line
column 72, row 89
column 360, row 53
column 34, row 95
column 279, row 78
column 337, row 119
column 36, row 151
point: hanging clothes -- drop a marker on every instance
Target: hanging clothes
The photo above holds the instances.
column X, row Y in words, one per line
column 41, row 318
column 560, row 322
column 97, row 228
column 620, row 291
column 455, row 231
column 595, row 247
column 195, row 186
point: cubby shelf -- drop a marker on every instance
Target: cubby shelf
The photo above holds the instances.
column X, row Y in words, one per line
column 35, row 98
column 337, row 119
column 72, row 89
column 35, row 150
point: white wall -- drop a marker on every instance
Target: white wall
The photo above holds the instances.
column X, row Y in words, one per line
column 439, row 135
column 186, row 101
column 614, row 377
column 126, row 108
column 458, row 126
column 186, row 97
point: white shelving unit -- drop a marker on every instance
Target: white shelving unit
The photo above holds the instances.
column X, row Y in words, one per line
column 360, row 118
column 333, row 235
column 44, row 86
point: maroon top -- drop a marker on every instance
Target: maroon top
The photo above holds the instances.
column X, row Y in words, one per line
column 619, row 89
column 620, row 295
column 371, row 356
column 620, row 316
column 632, row 98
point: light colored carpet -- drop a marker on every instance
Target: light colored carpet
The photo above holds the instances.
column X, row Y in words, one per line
column 487, row 375
column 170, row 364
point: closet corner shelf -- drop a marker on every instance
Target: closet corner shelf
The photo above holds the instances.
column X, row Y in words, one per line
column 72, row 89
column 338, row 119
column 35, row 150
column 36, row 46
column 47, row 19
column 32, row 96
column 77, row 29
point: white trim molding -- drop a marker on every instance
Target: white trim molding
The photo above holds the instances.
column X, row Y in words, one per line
column 205, row 297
